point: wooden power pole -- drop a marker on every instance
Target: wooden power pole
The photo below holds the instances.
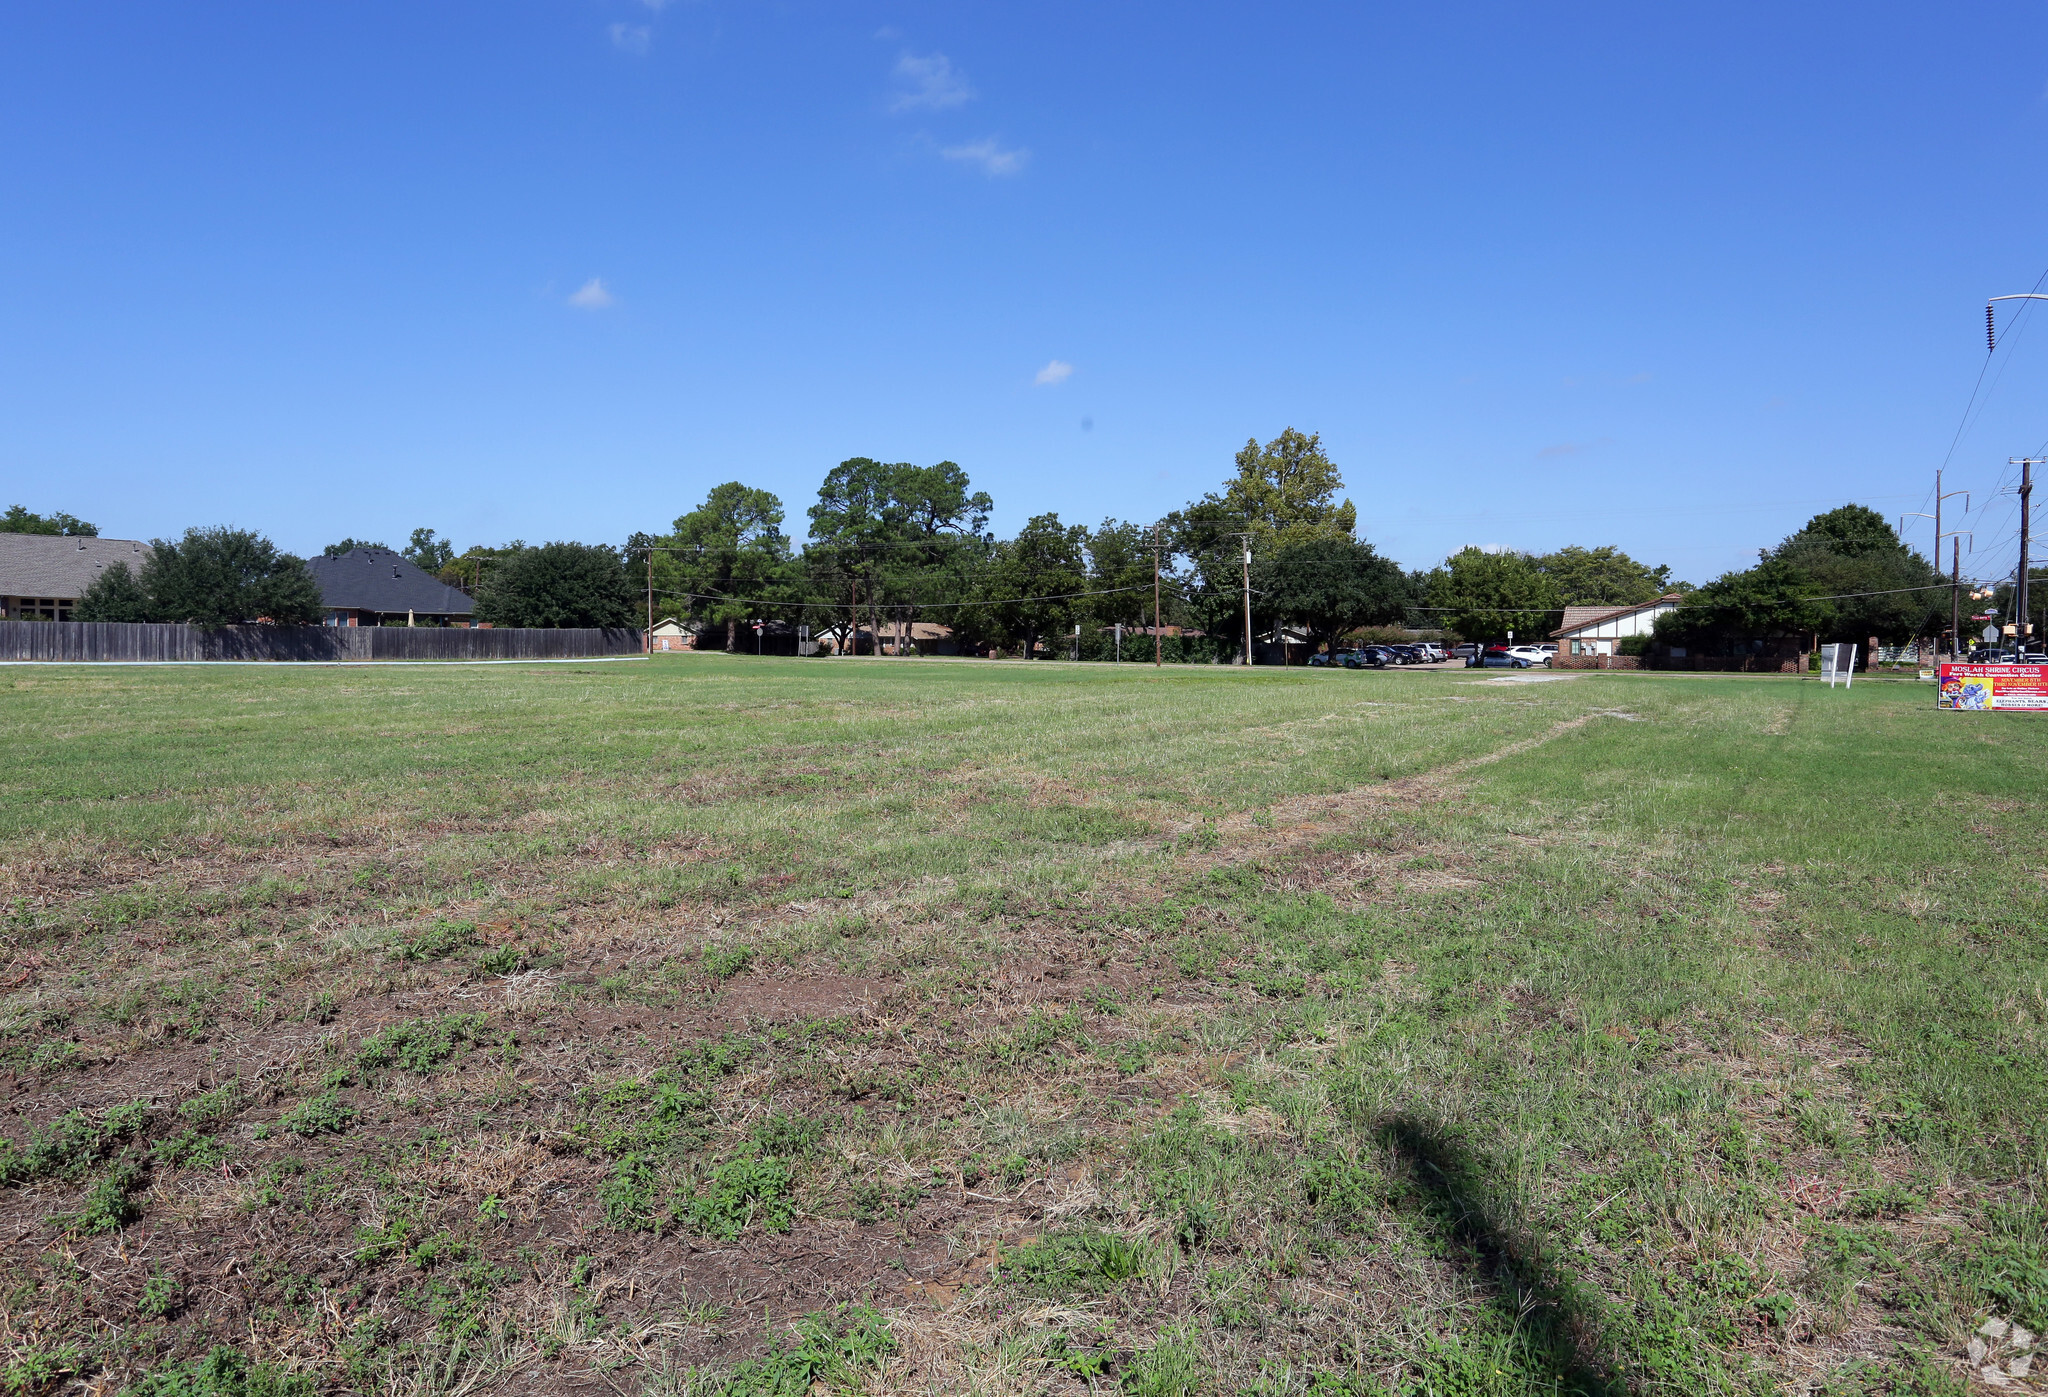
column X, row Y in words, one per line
column 1156, row 630
column 2021, row 602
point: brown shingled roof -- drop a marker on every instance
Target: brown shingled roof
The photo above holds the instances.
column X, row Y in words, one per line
column 1579, row 617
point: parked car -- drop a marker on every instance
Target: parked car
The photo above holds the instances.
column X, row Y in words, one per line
column 1534, row 654
column 1432, row 653
column 1469, row 652
column 1336, row 659
column 1500, row 657
column 1376, row 656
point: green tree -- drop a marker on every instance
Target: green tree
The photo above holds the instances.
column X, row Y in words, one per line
column 725, row 556
column 1604, row 576
column 19, row 520
column 1844, row 576
column 115, row 595
column 467, row 569
column 1483, row 596
column 1286, row 491
column 1283, row 493
column 899, row 537
column 350, row 545
column 939, row 545
column 223, row 576
column 428, row 553
column 1329, row 586
column 1120, row 567
column 1029, row 588
column 559, row 584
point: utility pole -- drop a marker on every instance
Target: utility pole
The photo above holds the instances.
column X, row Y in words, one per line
column 1955, row 594
column 1247, row 600
column 2020, row 604
column 1156, row 661
column 647, row 641
column 1955, row 604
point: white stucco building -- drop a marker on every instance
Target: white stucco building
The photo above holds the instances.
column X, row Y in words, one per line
column 1594, row 630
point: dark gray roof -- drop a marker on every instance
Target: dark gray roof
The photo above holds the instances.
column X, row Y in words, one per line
column 376, row 579
column 47, row 565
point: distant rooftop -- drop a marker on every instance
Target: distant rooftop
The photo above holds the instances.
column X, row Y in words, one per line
column 377, row 579
column 46, row 565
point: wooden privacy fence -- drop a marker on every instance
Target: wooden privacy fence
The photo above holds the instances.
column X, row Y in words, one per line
column 100, row 641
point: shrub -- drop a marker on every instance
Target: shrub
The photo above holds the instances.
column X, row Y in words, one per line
column 558, row 584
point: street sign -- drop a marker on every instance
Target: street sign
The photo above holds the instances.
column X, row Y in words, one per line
column 1990, row 635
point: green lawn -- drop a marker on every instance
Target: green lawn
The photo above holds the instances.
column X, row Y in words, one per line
column 734, row 1025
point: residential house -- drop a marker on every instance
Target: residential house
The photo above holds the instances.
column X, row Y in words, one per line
column 42, row 576
column 377, row 587
column 1595, row 630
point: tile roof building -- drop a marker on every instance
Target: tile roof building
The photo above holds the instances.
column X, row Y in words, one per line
column 42, row 576
column 377, row 587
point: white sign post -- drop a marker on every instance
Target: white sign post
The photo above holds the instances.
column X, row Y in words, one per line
column 1838, row 661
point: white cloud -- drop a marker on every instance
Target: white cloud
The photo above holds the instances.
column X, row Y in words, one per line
column 1058, row 371
column 592, row 295
column 633, row 38
column 930, row 83
column 992, row 158
column 1574, row 448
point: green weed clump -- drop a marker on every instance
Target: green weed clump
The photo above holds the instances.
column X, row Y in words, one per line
column 224, row 1372
column 439, row 941
column 724, row 962
column 789, row 1135
column 835, row 1350
column 188, row 1149
column 215, row 1105
column 1078, row 1260
column 744, row 1190
column 325, row 1114
column 110, row 1206
column 1173, row 1367
column 36, row 1370
column 71, row 1144
column 163, row 1295
column 420, row 1045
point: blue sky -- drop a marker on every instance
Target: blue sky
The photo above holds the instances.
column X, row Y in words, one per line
column 1671, row 277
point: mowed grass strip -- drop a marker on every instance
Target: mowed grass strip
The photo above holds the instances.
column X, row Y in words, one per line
column 728, row 1024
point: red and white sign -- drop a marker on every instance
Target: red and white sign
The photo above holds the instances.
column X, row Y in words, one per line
column 1980, row 688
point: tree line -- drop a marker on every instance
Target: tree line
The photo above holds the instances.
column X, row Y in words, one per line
column 891, row 545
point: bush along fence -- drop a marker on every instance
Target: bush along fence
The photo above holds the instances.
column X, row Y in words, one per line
column 103, row 641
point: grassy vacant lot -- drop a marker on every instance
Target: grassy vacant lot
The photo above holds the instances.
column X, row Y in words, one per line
column 787, row 1027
